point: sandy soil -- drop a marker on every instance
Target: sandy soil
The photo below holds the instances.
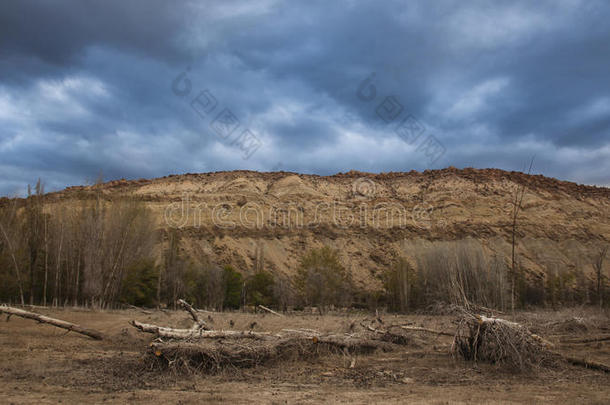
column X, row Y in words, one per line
column 41, row 364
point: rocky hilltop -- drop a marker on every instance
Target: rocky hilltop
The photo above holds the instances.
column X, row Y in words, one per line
column 242, row 217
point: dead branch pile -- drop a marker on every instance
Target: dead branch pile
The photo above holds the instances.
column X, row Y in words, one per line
column 209, row 350
column 215, row 354
column 497, row 341
column 478, row 338
column 212, row 355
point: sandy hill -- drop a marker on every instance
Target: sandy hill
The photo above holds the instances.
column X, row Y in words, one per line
column 235, row 217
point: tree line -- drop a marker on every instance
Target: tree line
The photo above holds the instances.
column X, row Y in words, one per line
column 76, row 252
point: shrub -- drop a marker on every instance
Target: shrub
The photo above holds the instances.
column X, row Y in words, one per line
column 233, row 287
column 260, row 289
column 140, row 284
column 208, row 288
column 398, row 282
column 321, row 279
column 283, row 292
column 460, row 273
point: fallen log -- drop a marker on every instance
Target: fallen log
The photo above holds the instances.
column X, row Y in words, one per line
column 303, row 331
column 586, row 340
column 270, row 310
column 490, row 310
column 145, row 312
column 341, row 341
column 195, row 333
column 51, row 321
column 419, row 329
column 585, row 363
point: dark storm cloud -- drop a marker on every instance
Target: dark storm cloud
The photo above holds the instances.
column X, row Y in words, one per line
column 56, row 32
column 86, row 86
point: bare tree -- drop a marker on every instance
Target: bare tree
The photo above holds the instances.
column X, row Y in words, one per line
column 57, row 249
column 33, row 232
column 517, row 204
column 598, row 262
column 56, row 290
column 93, row 249
column 461, row 273
column 46, row 259
column 398, row 282
column 283, row 292
column 92, row 245
column 129, row 236
column 174, row 266
column 75, row 257
column 8, row 228
column 215, row 287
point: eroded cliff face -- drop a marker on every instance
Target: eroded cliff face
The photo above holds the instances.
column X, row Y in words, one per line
column 236, row 217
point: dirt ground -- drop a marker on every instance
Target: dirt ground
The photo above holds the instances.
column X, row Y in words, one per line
column 41, row 364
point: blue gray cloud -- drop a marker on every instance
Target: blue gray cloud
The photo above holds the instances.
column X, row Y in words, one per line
column 86, row 87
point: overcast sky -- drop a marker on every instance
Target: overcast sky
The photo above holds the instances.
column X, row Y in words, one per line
column 140, row 89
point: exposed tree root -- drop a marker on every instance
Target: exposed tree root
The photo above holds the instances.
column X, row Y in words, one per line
column 499, row 341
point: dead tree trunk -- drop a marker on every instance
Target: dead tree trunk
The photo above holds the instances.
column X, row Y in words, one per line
column 269, row 310
column 145, row 312
column 46, row 262
column 586, row 340
column 195, row 333
column 418, row 329
column 52, row 321
column 517, row 204
column 593, row 365
column 17, row 270
column 598, row 264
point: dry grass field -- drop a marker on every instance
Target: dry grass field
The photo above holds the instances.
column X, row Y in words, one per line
column 41, row 364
